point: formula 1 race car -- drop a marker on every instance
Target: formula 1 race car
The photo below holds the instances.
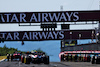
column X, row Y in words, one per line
column 35, row 58
column 13, row 56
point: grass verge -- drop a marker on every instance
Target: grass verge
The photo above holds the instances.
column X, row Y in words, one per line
column 3, row 57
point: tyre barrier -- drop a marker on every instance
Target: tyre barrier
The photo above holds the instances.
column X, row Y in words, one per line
column 76, row 58
column 93, row 59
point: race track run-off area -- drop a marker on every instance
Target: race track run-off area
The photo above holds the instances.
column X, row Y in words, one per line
column 52, row 64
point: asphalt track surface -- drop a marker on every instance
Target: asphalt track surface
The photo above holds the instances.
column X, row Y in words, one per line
column 52, row 64
column 19, row 64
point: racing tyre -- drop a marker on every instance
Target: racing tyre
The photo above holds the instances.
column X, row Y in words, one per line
column 93, row 61
column 46, row 60
column 27, row 60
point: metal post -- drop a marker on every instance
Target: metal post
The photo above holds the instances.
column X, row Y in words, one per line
column 61, row 8
column 96, row 34
column 99, row 20
column 99, row 27
column 79, row 38
column 92, row 36
column 70, row 35
column 54, row 29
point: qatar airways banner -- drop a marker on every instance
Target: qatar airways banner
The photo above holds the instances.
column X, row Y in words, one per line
column 46, row 35
column 32, row 35
column 57, row 16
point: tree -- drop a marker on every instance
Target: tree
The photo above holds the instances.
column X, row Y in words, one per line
column 4, row 47
column 5, row 50
column 39, row 50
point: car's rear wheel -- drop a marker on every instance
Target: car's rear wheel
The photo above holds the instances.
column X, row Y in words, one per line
column 46, row 60
column 27, row 60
